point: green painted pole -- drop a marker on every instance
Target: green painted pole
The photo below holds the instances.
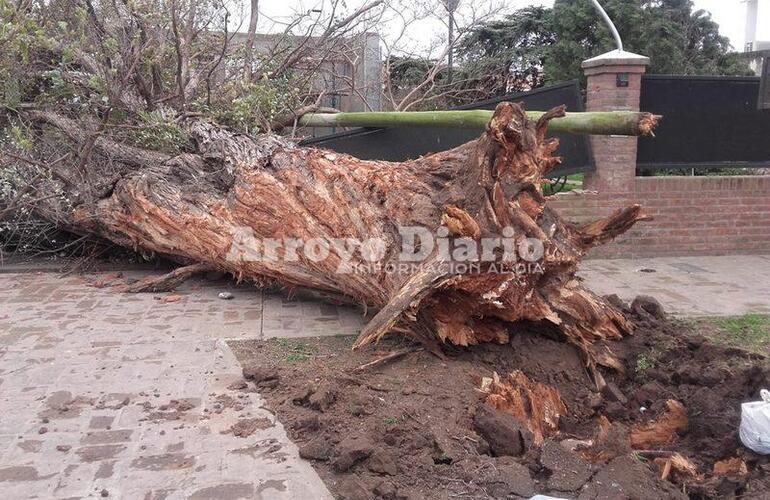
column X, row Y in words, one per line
column 590, row 123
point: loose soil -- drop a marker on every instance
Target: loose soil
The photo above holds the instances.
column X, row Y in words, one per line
column 417, row 427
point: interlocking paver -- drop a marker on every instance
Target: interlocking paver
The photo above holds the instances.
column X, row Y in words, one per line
column 107, row 391
column 688, row 286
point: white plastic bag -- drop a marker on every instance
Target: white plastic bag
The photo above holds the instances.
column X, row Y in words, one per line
column 755, row 424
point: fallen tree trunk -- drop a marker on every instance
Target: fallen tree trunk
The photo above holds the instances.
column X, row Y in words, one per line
column 238, row 203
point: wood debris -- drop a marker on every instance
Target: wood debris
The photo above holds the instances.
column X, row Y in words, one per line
column 735, row 465
column 662, row 430
column 677, row 468
column 537, row 406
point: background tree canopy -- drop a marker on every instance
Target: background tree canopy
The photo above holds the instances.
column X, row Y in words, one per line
column 536, row 45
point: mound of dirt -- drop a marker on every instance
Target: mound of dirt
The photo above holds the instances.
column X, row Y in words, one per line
column 418, row 427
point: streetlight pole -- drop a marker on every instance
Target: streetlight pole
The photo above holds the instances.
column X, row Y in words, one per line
column 451, row 6
column 609, row 23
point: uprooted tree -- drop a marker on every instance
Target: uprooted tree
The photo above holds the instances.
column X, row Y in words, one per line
column 191, row 206
column 208, row 204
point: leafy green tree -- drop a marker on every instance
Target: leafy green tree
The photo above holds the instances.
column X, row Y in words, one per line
column 509, row 55
column 678, row 39
column 552, row 43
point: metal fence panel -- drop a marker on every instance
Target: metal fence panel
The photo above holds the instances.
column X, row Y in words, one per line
column 708, row 121
column 408, row 143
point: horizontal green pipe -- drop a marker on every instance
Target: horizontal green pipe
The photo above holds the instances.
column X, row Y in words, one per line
column 590, row 123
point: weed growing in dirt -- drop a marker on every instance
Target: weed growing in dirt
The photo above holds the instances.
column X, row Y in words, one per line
column 644, row 363
column 390, row 420
column 356, row 410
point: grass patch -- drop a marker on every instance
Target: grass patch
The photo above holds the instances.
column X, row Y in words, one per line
column 295, row 350
column 749, row 331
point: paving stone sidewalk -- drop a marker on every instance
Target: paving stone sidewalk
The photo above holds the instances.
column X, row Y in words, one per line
column 132, row 395
column 687, row 286
column 103, row 393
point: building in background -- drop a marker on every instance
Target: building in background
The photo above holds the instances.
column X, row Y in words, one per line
column 756, row 51
column 348, row 71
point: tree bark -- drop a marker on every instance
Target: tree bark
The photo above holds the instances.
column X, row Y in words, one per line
column 213, row 207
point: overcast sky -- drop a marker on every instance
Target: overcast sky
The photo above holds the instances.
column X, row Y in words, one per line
column 729, row 14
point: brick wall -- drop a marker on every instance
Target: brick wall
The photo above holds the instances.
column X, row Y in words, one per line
column 613, row 154
column 693, row 215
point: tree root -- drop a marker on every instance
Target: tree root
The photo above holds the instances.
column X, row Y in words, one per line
column 167, row 282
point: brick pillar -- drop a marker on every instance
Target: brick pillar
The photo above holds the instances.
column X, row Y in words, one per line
column 614, row 83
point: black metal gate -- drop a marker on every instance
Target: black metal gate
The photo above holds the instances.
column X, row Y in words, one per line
column 708, row 122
